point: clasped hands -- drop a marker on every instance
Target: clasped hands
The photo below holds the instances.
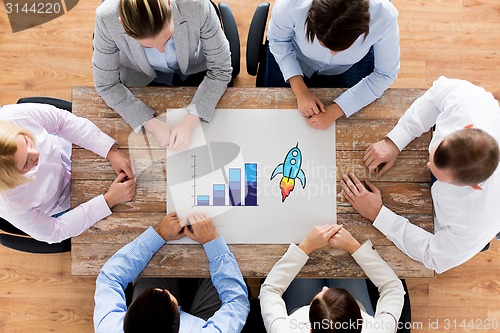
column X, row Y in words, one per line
column 333, row 235
column 198, row 227
column 177, row 137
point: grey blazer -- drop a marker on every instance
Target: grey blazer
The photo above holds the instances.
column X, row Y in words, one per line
column 119, row 60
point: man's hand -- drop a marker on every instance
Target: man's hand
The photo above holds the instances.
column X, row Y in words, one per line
column 200, row 228
column 170, row 228
column 366, row 203
column 318, row 237
column 345, row 241
column 307, row 103
column 180, row 137
column 160, row 130
column 382, row 152
column 121, row 190
column 120, row 162
column 325, row 119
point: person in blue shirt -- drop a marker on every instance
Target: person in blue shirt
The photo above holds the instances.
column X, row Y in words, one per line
column 333, row 44
column 160, row 310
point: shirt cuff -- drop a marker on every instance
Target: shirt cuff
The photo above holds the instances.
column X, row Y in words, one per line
column 100, row 208
column 384, row 220
column 191, row 109
column 345, row 101
column 297, row 252
column 367, row 246
column 215, row 248
column 105, row 142
column 138, row 128
column 152, row 239
column 400, row 137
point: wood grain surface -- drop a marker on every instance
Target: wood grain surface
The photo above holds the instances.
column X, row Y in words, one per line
column 405, row 189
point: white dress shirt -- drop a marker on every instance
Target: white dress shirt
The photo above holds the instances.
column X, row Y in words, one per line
column 296, row 56
column 465, row 219
column 273, row 308
column 29, row 207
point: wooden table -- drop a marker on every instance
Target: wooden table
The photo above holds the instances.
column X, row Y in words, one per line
column 405, row 188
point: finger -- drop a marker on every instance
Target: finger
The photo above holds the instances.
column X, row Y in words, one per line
column 206, row 217
column 372, row 187
column 188, row 233
column 368, row 151
column 173, row 138
column 121, row 176
column 311, row 120
column 350, row 185
column 180, row 234
column 358, row 183
column 128, row 170
column 331, row 232
column 384, row 169
column 191, row 220
column 345, row 188
column 321, row 106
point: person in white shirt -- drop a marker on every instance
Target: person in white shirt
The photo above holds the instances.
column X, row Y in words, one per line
column 464, row 157
column 35, row 171
column 333, row 43
column 330, row 308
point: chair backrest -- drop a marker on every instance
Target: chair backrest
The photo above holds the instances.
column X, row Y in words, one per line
column 230, row 29
column 231, row 32
column 17, row 239
column 256, row 48
column 58, row 103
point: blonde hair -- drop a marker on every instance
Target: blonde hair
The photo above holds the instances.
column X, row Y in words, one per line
column 10, row 177
column 144, row 18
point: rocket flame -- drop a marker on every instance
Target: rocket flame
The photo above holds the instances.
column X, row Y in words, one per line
column 286, row 185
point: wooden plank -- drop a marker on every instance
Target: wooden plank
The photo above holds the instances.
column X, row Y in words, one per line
column 350, row 134
column 150, row 164
column 170, row 261
column 360, row 134
column 391, row 105
column 403, row 198
column 411, row 166
column 123, row 228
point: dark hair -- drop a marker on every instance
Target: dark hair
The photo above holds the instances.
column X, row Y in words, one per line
column 472, row 155
column 335, row 306
column 144, row 18
column 337, row 23
column 153, row 311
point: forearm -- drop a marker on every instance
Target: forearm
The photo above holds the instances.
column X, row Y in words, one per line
column 121, row 269
column 273, row 307
column 228, row 281
column 388, row 284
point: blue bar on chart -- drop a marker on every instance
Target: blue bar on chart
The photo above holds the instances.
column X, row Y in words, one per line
column 251, row 184
column 203, row 200
column 235, row 186
column 219, row 194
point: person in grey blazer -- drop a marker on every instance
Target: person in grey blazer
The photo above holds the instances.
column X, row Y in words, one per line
column 160, row 42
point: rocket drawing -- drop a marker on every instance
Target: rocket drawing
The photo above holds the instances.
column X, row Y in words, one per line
column 290, row 169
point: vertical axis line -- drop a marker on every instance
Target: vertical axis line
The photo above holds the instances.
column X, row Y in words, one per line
column 194, row 179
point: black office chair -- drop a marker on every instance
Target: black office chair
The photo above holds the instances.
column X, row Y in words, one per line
column 230, row 29
column 256, row 46
column 17, row 239
column 405, row 319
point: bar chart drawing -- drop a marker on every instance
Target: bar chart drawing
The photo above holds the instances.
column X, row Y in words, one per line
column 229, row 194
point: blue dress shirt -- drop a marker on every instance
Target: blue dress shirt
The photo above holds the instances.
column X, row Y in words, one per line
column 126, row 264
column 296, row 56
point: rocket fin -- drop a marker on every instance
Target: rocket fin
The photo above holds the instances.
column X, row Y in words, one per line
column 302, row 178
column 277, row 170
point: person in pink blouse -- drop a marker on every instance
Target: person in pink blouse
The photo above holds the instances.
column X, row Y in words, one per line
column 35, row 171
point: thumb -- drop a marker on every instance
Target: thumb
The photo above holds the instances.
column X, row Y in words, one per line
column 334, row 230
column 188, row 233
column 372, row 187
